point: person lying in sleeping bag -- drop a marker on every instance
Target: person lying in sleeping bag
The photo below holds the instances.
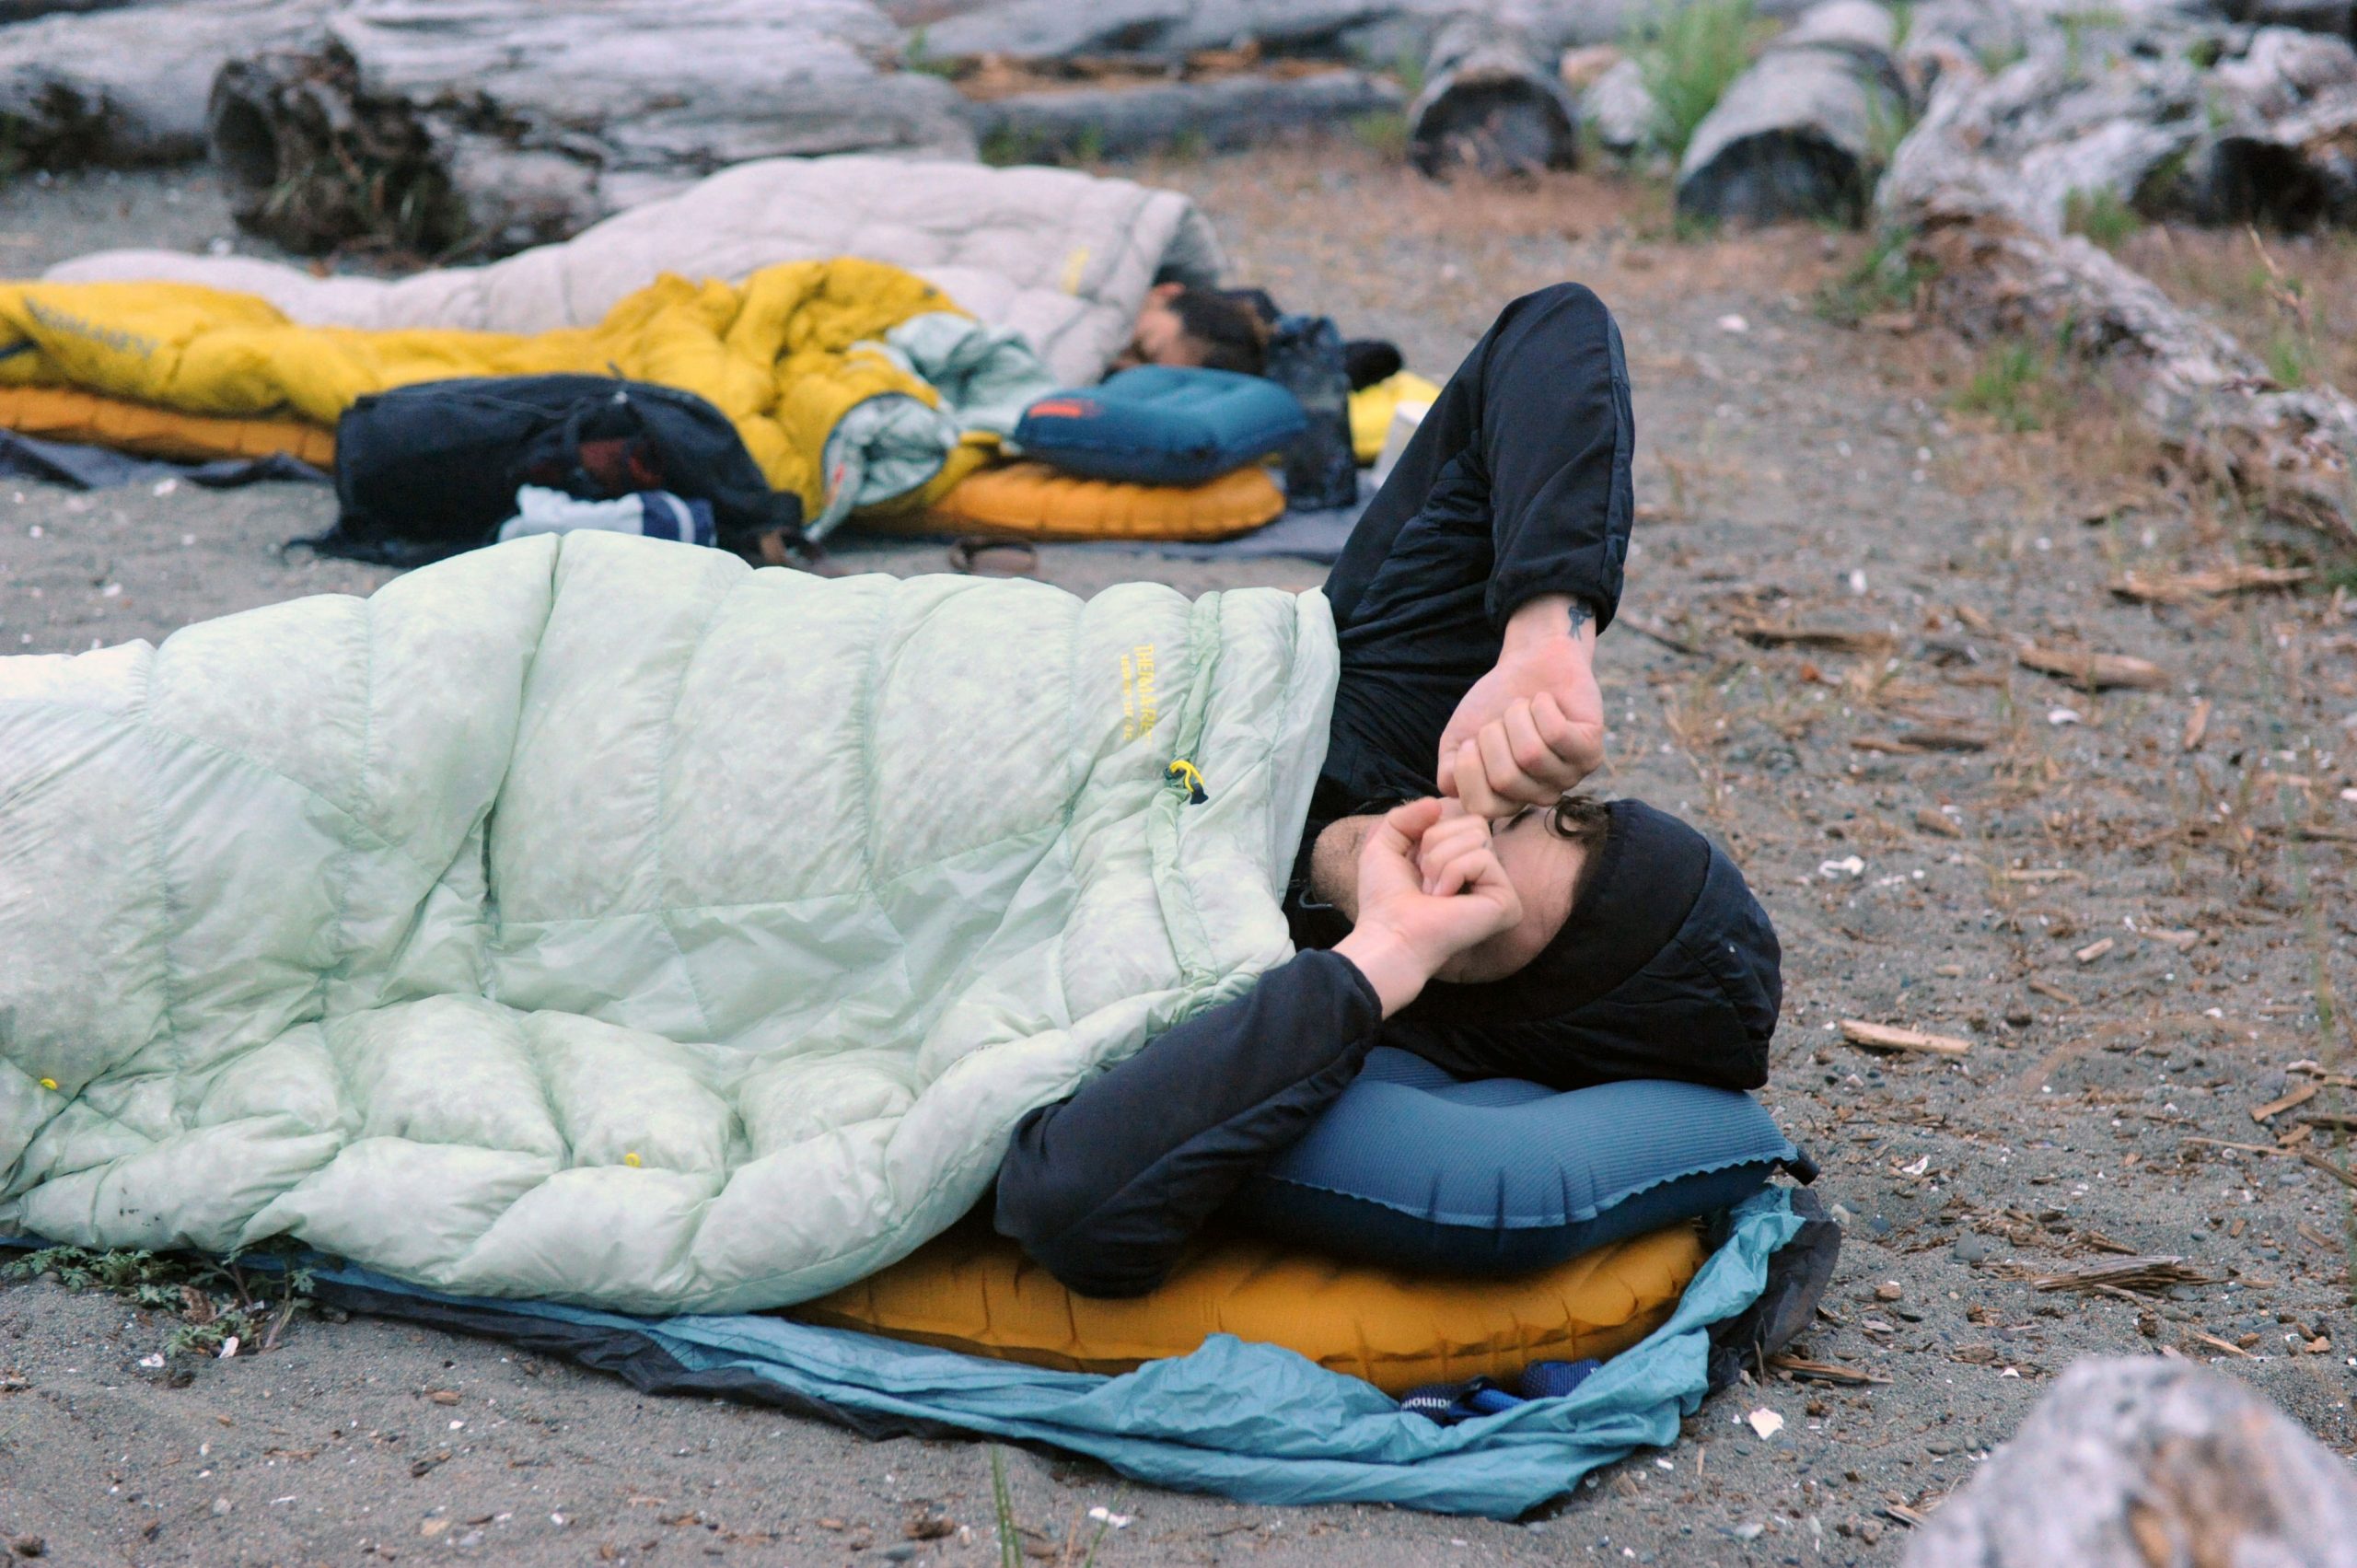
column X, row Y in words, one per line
column 1205, row 328
column 1497, row 928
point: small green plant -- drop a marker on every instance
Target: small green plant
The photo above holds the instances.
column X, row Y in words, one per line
column 1690, row 51
column 1003, row 146
column 1010, row 1537
column 2076, row 26
column 1384, row 133
column 2290, row 360
column 1888, row 119
column 2162, row 184
column 1694, row 228
column 1189, row 145
column 1088, row 144
column 918, row 58
column 1887, row 278
column 1408, row 66
column 2203, row 52
column 2101, row 215
column 2006, row 387
column 216, row 1300
column 1999, row 57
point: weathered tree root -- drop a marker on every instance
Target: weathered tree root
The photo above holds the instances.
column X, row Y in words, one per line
column 2290, row 451
column 314, row 163
column 1982, row 190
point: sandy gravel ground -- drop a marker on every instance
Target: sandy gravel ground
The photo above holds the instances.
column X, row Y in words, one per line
column 2140, row 936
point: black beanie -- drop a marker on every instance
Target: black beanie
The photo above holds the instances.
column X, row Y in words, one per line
column 1667, row 968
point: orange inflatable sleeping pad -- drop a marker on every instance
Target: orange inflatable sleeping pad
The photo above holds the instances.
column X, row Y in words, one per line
column 972, row 1290
column 64, row 413
column 1033, row 500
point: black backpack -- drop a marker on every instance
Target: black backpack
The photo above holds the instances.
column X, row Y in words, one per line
column 428, row 470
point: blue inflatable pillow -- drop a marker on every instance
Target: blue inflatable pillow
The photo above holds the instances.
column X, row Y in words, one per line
column 1417, row 1170
column 1162, row 424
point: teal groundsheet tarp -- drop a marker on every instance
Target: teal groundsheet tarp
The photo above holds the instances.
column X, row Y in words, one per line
column 1248, row 1421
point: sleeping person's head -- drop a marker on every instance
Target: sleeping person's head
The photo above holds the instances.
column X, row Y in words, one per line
column 1199, row 327
column 1640, row 952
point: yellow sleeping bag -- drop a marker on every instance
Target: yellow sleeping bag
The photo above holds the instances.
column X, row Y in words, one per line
column 972, row 1290
column 785, row 356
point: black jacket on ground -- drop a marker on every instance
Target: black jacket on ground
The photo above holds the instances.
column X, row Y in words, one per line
column 1516, row 484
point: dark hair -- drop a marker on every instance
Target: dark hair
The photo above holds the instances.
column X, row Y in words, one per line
column 1585, row 820
column 1228, row 330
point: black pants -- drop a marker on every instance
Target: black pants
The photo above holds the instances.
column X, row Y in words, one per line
column 1516, row 484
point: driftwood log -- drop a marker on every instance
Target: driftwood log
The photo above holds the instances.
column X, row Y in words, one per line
column 28, row 11
column 1493, row 102
column 502, row 124
column 1803, row 133
column 1222, row 111
column 1985, row 215
column 2149, row 1463
column 1171, row 31
column 2287, row 152
column 2129, row 114
column 128, row 86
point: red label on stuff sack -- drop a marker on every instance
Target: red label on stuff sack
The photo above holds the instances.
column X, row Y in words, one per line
column 1064, row 408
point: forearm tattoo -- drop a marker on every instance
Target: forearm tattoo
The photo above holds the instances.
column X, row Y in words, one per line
column 1582, row 614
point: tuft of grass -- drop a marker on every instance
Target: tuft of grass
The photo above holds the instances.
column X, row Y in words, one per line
column 216, row 1301
column 1006, row 146
column 2076, row 26
column 1384, row 133
column 2000, row 57
column 1690, row 51
column 1408, row 66
column 1694, row 228
column 1887, row 121
column 1010, row 1538
column 2101, row 215
column 917, row 57
column 2290, row 360
column 2007, row 386
column 1887, row 278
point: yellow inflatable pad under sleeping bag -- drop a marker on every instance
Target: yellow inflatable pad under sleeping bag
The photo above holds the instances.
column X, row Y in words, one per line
column 972, row 1290
column 1033, row 500
column 64, row 414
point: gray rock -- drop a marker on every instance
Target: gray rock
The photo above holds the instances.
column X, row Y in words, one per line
column 2130, row 1462
column 1621, row 109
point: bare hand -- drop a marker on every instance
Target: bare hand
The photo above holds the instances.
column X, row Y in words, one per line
column 1533, row 728
column 1405, row 929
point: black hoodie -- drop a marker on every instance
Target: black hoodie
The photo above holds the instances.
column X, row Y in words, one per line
column 1667, row 968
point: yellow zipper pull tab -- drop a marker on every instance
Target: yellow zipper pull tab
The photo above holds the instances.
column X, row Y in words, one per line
column 1187, row 776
